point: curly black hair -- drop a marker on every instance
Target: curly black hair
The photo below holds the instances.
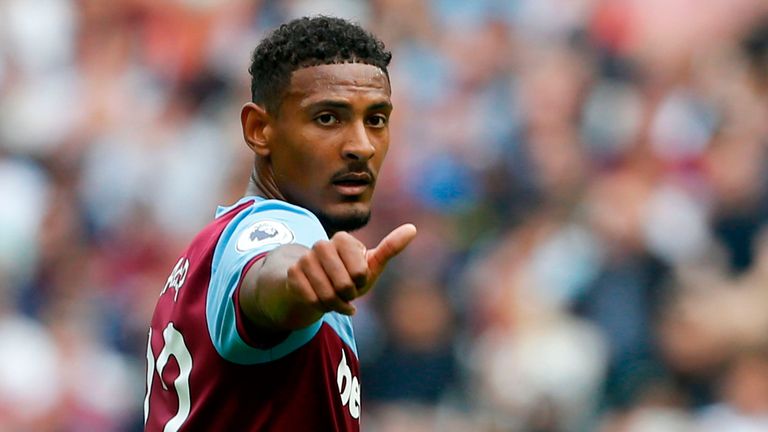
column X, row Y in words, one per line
column 309, row 41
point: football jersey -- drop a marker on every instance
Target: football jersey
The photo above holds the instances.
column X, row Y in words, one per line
column 207, row 371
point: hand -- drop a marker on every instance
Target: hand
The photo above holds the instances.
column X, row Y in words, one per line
column 336, row 271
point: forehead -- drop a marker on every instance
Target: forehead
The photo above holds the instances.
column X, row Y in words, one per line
column 338, row 80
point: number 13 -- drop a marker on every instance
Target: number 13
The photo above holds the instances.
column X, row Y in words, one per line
column 173, row 346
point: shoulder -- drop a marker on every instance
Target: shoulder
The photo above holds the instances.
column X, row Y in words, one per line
column 267, row 223
column 253, row 208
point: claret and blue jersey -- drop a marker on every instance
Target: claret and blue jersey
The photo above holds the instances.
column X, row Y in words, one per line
column 207, row 370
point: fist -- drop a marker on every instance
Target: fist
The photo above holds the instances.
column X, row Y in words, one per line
column 334, row 272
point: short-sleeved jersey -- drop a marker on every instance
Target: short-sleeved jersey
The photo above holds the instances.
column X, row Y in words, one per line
column 206, row 370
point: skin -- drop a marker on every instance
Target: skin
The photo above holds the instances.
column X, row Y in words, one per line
column 322, row 150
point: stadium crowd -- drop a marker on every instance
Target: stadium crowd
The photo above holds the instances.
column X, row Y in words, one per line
column 588, row 178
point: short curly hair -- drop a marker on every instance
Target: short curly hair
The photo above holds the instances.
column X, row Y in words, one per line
column 309, row 41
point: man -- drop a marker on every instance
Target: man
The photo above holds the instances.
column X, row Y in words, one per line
column 251, row 331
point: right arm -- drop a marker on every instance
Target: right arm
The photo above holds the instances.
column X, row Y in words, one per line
column 293, row 286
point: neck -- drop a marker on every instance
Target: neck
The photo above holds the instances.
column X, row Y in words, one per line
column 262, row 182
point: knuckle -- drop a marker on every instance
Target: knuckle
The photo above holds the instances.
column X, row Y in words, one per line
column 340, row 236
column 293, row 272
column 322, row 245
column 344, row 238
column 307, row 262
column 296, row 283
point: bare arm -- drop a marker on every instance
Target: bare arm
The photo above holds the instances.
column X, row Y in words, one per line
column 293, row 286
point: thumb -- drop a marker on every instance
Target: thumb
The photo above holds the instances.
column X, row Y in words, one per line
column 388, row 247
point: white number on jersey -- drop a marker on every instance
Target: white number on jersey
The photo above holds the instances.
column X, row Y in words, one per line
column 173, row 346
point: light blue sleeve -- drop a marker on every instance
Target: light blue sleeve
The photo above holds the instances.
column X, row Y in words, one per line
column 255, row 231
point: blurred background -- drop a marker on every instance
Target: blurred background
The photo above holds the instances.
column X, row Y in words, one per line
column 588, row 178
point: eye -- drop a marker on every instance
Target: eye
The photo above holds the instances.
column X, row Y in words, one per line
column 377, row 121
column 326, row 119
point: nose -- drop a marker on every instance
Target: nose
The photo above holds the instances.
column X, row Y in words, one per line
column 358, row 145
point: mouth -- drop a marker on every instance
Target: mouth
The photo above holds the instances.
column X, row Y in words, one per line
column 352, row 184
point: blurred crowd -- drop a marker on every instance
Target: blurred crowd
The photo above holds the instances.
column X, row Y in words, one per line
column 588, row 178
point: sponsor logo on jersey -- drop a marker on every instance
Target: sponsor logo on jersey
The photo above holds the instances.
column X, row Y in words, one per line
column 262, row 233
column 349, row 387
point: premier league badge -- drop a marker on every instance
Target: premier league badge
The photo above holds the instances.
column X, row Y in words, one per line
column 262, row 233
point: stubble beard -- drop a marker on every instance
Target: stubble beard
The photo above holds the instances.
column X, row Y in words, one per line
column 347, row 222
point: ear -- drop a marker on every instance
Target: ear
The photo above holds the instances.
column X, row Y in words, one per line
column 257, row 128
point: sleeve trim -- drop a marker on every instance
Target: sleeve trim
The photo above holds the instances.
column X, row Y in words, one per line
column 244, row 328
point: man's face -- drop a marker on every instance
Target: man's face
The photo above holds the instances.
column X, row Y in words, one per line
column 329, row 139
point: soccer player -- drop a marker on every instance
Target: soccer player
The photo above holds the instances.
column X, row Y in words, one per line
column 251, row 331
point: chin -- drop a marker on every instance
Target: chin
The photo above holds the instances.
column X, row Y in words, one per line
column 349, row 220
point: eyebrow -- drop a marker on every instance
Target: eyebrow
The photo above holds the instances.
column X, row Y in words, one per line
column 341, row 104
column 378, row 106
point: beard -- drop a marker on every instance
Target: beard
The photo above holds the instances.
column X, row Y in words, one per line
column 348, row 222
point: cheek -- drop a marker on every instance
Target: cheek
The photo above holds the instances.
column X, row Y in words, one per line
column 300, row 168
column 304, row 165
column 381, row 152
column 296, row 152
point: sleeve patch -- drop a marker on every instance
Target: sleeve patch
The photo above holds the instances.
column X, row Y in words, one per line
column 262, row 233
